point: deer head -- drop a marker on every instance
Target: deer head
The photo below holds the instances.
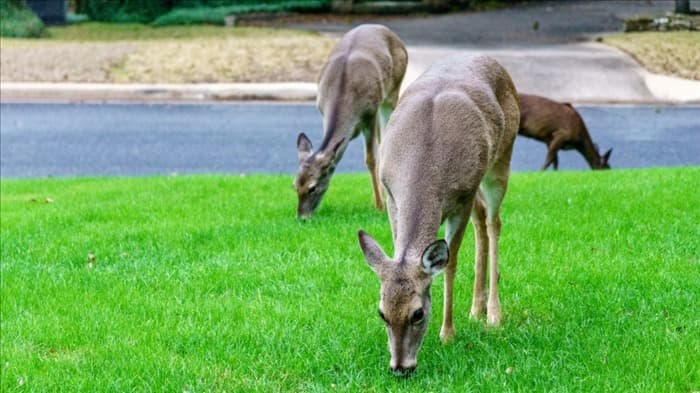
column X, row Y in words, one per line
column 404, row 303
column 604, row 159
column 602, row 162
column 313, row 176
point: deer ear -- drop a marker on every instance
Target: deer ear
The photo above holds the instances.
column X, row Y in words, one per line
column 607, row 154
column 435, row 257
column 304, row 148
column 374, row 255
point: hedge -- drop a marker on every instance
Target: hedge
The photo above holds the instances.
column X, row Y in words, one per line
column 17, row 20
column 217, row 15
column 165, row 12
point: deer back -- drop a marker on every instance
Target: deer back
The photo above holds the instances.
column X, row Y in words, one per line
column 541, row 117
column 452, row 125
column 362, row 69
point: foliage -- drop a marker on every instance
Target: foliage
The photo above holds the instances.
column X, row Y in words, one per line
column 189, row 11
column 217, row 15
column 17, row 20
column 209, row 283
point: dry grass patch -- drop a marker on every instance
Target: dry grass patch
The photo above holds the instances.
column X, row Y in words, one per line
column 674, row 53
column 233, row 59
column 142, row 54
column 42, row 61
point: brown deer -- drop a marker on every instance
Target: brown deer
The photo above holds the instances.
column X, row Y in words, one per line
column 446, row 156
column 560, row 127
column 358, row 88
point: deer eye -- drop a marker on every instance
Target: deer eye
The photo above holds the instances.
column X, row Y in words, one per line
column 417, row 316
column 312, row 189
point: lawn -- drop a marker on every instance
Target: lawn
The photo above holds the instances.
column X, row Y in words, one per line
column 136, row 53
column 670, row 53
column 209, row 283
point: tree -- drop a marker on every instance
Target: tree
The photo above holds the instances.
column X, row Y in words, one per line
column 682, row 6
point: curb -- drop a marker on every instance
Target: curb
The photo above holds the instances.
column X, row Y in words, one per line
column 672, row 88
column 157, row 92
column 666, row 91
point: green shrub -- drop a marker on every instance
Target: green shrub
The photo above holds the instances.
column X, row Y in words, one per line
column 188, row 11
column 216, row 15
column 17, row 20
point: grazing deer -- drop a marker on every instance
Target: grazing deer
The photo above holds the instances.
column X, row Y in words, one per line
column 358, row 88
column 446, row 156
column 560, row 127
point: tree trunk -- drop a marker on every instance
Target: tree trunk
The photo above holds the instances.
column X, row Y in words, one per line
column 682, row 6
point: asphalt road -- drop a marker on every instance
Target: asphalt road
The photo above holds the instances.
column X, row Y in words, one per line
column 521, row 25
column 41, row 140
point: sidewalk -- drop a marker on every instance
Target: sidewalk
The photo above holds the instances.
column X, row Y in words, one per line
column 578, row 73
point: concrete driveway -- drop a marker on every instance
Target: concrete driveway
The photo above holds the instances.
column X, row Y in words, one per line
column 546, row 46
column 578, row 72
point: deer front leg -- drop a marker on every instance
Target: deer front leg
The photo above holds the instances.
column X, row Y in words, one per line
column 454, row 232
column 370, row 134
column 552, row 149
column 481, row 250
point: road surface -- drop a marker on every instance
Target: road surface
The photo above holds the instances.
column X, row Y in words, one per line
column 41, row 140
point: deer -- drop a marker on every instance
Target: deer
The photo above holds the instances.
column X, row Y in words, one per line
column 358, row 88
column 445, row 158
column 560, row 126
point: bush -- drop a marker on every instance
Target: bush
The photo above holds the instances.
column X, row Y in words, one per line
column 17, row 20
column 167, row 12
column 216, row 15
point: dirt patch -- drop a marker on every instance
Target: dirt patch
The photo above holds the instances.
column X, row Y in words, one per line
column 280, row 59
column 61, row 62
column 671, row 53
column 276, row 58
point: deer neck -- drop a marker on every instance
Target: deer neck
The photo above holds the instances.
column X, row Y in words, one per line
column 417, row 224
column 338, row 129
column 590, row 153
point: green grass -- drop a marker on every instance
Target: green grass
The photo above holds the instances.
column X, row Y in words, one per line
column 100, row 31
column 209, row 283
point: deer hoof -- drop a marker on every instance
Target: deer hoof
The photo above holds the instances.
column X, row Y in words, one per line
column 447, row 334
column 494, row 318
column 476, row 313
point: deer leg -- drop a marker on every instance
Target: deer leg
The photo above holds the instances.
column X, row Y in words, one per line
column 385, row 111
column 552, row 150
column 494, row 189
column 371, row 162
column 481, row 250
column 454, row 232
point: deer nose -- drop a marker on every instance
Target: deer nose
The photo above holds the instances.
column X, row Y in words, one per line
column 303, row 214
column 401, row 371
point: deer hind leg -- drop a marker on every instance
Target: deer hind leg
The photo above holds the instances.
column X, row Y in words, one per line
column 481, row 250
column 454, row 232
column 386, row 109
column 494, row 188
column 372, row 132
